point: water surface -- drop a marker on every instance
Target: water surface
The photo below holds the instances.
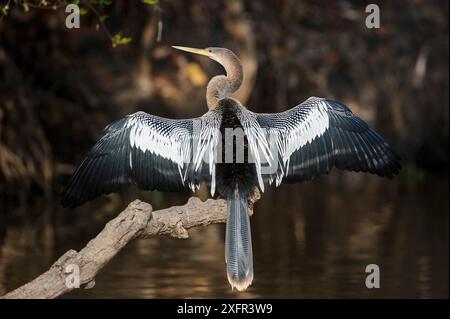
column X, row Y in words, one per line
column 312, row 240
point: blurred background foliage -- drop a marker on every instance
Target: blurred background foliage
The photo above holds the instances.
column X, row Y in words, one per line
column 59, row 86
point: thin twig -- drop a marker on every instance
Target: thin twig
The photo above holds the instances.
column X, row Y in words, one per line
column 101, row 23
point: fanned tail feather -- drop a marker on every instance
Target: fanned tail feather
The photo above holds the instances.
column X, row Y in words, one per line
column 238, row 243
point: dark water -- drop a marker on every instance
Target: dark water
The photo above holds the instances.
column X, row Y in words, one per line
column 312, row 240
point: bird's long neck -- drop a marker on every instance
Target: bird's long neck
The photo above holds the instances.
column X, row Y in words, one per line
column 222, row 86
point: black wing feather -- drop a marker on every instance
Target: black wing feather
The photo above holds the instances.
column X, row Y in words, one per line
column 113, row 163
column 346, row 143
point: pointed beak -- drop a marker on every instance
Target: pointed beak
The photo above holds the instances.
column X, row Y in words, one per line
column 193, row 50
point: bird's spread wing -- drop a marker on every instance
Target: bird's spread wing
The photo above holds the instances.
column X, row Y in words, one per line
column 311, row 138
column 152, row 152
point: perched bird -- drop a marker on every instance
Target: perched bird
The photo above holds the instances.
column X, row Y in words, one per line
column 163, row 154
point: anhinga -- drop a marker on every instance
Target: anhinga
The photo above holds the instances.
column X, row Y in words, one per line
column 170, row 155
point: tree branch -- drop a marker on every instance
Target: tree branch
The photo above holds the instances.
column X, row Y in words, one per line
column 138, row 220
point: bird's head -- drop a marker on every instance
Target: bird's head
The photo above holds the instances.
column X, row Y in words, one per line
column 220, row 86
column 221, row 55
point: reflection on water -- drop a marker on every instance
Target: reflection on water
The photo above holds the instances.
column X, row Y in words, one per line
column 312, row 240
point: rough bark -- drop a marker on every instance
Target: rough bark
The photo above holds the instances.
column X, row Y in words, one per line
column 138, row 220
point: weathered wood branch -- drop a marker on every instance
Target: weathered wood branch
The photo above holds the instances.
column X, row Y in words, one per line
column 138, row 220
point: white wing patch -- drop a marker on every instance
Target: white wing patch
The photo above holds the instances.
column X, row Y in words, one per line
column 257, row 141
column 207, row 140
column 148, row 137
column 304, row 130
column 295, row 128
column 177, row 144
